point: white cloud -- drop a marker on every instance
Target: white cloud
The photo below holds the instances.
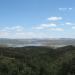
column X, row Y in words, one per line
column 70, row 8
column 8, row 31
column 49, row 26
column 3, row 33
column 38, row 27
column 62, row 9
column 73, row 27
column 11, row 32
column 45, row 26
column 65, row 9
column 54, row 18
column 68, row 23
column 13, row 29
column 57, row 29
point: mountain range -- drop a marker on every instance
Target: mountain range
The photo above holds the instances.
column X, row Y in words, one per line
column 52, row 42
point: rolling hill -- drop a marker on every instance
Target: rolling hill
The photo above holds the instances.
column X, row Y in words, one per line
column 37, row 60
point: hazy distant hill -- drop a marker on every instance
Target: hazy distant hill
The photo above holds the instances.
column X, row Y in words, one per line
column 37, row 42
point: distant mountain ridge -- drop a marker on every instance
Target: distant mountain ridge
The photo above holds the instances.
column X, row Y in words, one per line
column 53, row 42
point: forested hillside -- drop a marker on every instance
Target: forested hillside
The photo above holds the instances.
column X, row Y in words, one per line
column 37, row 60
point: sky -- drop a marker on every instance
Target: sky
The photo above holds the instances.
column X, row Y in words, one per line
column 37, row 19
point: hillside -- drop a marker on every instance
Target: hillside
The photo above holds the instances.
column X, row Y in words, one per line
column 37, row 60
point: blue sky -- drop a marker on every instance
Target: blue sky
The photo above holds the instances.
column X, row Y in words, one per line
column 37, row 18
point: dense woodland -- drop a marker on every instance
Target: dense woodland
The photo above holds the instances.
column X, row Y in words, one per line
column 37, row 60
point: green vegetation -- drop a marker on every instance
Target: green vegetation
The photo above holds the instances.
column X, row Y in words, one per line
column 37, row 61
